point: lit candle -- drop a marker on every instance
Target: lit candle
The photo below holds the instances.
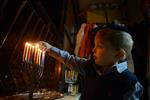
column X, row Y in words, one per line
column 39, row 57
column 43, row 57
column 23, row 57
column 41, row 52
column 26, row 57
column 29, row 53
column 35, row 53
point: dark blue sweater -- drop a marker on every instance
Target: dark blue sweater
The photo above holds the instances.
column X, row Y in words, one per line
column 111, row 86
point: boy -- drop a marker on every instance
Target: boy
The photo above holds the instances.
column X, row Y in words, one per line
column 106, row 76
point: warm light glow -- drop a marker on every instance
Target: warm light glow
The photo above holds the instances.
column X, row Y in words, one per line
column 59, row 69
column 32, row 54
column 36, row 45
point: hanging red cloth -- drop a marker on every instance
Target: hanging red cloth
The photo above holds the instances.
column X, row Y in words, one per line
column 87, row 42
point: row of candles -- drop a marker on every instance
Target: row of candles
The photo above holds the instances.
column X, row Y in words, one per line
column 32, row 54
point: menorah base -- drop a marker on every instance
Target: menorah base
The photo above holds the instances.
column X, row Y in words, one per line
column 30, row 95
column 31, row 89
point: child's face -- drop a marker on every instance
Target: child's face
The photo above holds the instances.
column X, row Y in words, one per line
column 104, row 54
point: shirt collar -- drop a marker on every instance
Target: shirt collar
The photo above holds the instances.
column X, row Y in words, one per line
column 121, row 66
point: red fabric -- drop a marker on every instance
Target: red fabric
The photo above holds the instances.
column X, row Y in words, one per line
column 87, row 42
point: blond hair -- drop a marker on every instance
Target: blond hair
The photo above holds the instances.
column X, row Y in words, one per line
column 118, row 39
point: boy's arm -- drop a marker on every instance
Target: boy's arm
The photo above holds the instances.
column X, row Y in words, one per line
column 135, row 93
column 64, row 57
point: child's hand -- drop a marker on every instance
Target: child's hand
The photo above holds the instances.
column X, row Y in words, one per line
column 44, row 45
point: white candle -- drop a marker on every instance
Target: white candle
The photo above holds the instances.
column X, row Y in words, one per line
column 24, row 52
column 43, row 57
column 29, row 53
column 26, row 57
column 39, row 56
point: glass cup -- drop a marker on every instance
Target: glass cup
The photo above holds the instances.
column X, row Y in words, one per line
column 71, row 77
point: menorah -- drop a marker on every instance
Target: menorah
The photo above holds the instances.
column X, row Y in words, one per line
column 33, row 63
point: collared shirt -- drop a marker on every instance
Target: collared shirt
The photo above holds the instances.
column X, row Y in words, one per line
column 78, row 64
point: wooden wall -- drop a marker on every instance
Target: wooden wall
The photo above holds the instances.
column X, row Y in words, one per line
column 20, row 22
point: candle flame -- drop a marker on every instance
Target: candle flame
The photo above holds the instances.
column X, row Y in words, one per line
column 33, row 54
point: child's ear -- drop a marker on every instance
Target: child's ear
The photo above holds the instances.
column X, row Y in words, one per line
column 121, row 54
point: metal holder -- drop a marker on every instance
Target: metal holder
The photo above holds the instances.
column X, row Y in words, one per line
column 33, row 65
